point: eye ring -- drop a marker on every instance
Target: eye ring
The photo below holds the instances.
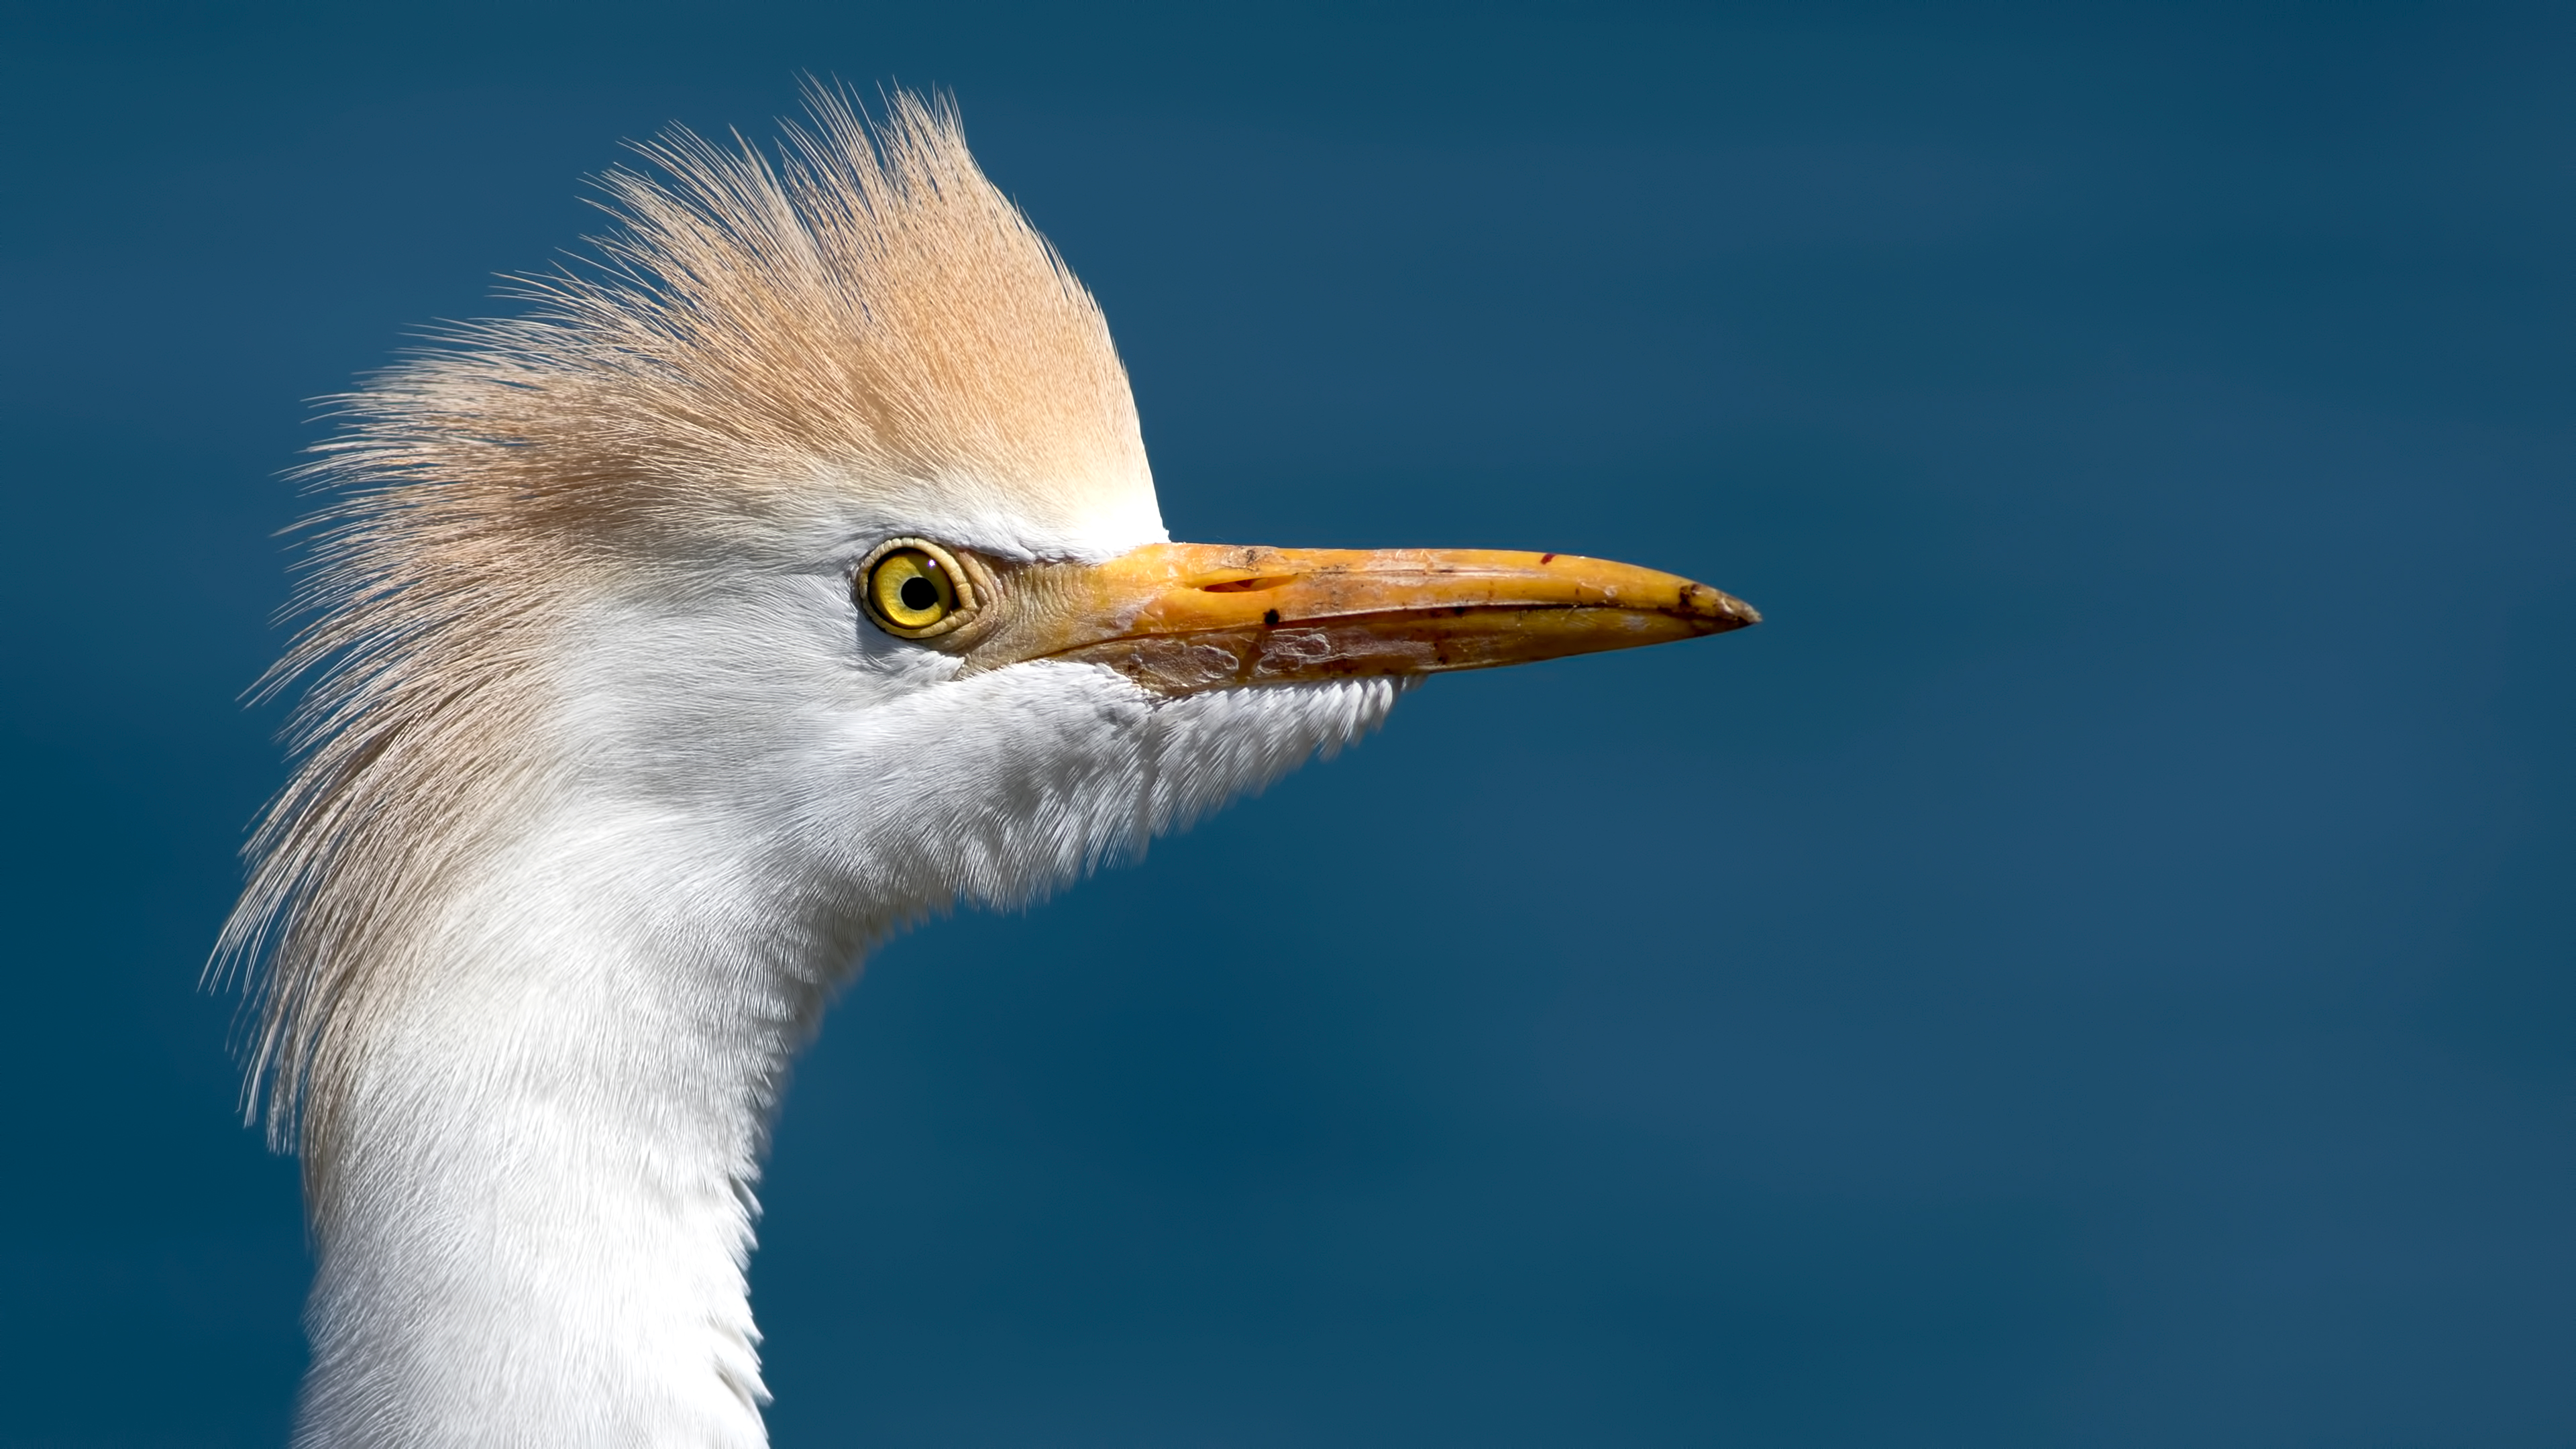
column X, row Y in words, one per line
column 914, row 589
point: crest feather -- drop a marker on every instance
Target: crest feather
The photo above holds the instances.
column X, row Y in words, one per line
column 867, row 312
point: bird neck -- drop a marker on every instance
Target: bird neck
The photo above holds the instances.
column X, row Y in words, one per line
column 532, row 1193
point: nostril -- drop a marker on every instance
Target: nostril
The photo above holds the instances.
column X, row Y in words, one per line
column 1249, row 586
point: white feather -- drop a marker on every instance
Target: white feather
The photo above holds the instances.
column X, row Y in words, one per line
column 607, row 784
column 544, row 1203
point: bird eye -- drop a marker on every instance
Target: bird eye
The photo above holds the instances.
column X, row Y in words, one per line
column 914, row 589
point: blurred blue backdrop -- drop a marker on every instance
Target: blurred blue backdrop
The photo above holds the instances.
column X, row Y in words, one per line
column 2096, row 968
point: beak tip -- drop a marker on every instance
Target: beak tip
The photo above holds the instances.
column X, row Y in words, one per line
column 1718, row 610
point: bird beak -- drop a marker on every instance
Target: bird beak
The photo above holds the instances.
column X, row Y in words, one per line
column 1183, row 617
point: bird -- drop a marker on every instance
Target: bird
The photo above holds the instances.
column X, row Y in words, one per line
column 785, row 573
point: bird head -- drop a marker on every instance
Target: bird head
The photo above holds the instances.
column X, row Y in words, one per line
column 802, row 563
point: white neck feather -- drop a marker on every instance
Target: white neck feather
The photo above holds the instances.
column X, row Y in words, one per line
column 532, row 1185
column 539, row 1200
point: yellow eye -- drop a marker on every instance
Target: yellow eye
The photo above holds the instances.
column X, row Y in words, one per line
column 912, row 589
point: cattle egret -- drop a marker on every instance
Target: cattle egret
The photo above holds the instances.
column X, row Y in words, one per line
column 792, row 573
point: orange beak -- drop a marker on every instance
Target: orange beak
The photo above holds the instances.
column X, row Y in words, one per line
column 1181, row 617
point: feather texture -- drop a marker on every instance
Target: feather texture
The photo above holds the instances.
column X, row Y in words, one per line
column 603, row 785
column 864, row 332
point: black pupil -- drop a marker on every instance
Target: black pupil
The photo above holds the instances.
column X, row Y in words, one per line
column 918, row 593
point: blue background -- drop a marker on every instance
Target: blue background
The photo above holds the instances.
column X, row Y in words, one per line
column 2095, row 969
